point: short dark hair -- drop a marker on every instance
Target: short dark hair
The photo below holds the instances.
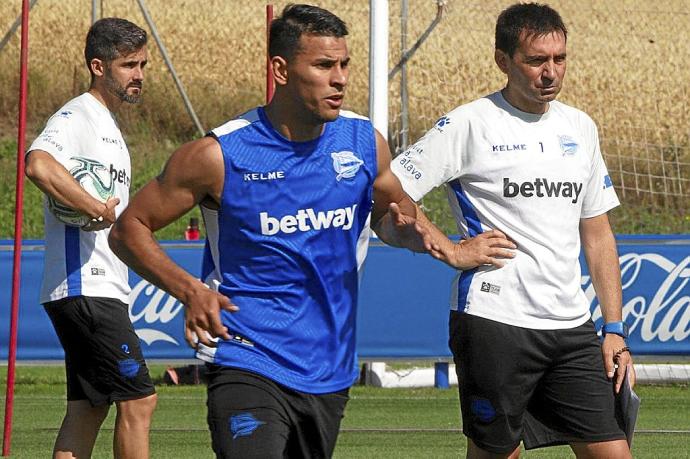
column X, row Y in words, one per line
column 533, row 18
column 296, row 20
column 109, row 38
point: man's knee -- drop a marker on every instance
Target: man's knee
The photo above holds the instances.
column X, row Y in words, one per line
column 139, row 409
column 81, row 411
column 475, row 452
column 614, row 449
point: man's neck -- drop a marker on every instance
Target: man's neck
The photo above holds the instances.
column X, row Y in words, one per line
column 110, row 101
column 289, row 124
column 524, row 106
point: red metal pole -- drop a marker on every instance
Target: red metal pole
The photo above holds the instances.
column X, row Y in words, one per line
column 18, row 214
column 269, row 76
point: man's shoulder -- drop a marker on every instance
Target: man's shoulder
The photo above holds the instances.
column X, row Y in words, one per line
column 483, row 106
column 67, row 125
column 74, row 110
column 245, row 119
column 347, row 120
column 461, row 117
column 348, row 115
column 571, row 112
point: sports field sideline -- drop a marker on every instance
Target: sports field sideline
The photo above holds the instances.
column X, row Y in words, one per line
column 379, row 423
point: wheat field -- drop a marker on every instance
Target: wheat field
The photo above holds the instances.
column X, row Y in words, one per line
column 627, row 68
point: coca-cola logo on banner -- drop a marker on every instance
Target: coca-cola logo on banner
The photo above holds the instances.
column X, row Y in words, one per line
column 656, row 297
column 150, row 310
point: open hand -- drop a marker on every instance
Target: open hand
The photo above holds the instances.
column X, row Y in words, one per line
column 202, row 317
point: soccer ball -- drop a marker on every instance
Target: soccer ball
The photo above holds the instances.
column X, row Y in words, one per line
column 95, row 178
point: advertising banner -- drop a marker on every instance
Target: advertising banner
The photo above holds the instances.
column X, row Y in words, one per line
column 403, row 307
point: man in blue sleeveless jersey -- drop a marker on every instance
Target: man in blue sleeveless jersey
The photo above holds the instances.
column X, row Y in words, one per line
column 287, row 192
column 85, row 288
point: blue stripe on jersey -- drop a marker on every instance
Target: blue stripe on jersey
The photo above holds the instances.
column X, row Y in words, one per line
column 72, row 261
column 474, row 227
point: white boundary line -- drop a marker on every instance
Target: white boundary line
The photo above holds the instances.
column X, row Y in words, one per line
column 377, row 375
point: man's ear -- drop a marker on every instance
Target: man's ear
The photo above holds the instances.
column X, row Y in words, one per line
column 501, row 59
column 97, row 67
column 279, row 70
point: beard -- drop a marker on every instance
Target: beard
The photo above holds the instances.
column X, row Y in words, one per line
column 119, row 91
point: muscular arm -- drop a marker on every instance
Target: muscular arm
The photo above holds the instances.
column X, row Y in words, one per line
column 488, row 248
column 599, row 246
column 53, row 179
column 194, row 173
column 393, row 209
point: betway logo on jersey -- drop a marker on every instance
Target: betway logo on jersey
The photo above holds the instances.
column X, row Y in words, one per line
column 542, row 188
column 307, row 220
column 120, row 175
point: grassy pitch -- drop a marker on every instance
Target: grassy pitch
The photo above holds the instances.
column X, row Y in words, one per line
column 379, row 423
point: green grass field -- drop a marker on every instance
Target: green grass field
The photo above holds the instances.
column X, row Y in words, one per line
column 379, row 423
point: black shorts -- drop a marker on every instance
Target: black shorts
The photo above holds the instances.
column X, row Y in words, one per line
column 103, row 359
column 251, row 416
column 544, row 387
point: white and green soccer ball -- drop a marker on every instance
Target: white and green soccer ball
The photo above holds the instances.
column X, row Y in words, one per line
column 95, row 178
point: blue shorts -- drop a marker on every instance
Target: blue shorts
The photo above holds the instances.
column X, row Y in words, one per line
column 542, row 387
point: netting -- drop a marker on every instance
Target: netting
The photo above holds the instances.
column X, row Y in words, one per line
column 627, row 69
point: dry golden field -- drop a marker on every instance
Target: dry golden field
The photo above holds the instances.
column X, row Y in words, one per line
column 628, row 68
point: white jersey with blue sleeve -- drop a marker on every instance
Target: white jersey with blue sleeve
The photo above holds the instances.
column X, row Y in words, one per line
column 80, row 263
column 530, row 176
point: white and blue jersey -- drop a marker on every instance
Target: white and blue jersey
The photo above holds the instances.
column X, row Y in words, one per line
column 534, row 177
column 285, row 246
column 80, row 262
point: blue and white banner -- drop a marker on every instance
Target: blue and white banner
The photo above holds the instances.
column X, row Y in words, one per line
column 403, row 308
column 656, row 296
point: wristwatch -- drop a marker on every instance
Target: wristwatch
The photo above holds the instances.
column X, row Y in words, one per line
column 617, row 328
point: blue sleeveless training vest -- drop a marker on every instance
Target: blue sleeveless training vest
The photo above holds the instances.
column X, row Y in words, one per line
column 283, row 246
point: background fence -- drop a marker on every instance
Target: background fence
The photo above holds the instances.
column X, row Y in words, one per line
column 624, row 64
column 627, row 69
